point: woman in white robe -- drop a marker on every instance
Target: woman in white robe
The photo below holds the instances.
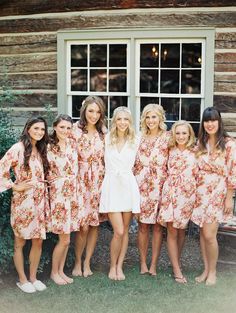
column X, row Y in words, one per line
column 120, row 194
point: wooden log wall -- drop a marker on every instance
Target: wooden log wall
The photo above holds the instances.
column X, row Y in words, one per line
column 28, row 47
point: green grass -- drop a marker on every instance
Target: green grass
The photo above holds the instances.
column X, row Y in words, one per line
column 136, row 294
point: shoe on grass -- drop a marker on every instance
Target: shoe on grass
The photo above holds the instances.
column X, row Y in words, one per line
column 27, row 287
column 39, row 286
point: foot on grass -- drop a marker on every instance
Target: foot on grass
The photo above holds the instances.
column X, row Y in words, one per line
column 58, row 279
column 66, row 278
column 77, row 271
column 152, row 271
column 87, row 271
column 201, row 278
column 112, row 274
column 143, row 269
column 180, row 279
column 120, row 274
column 211, row 279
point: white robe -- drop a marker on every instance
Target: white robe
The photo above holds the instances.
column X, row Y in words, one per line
column 120, row 192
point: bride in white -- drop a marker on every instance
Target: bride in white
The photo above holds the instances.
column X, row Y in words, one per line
column 120, row 193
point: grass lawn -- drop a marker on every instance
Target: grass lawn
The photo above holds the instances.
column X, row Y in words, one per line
column 136, row 294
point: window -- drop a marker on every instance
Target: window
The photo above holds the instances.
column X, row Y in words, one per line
column 137, row 67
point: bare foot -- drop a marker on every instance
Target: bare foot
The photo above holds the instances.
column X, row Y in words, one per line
column 143, row 269
column 180, row 279
column 77, row 271
column 112, row 274
column 153, row 271
column 58, row 279
column 201, row 278
column 211, row 279
column 87, row 271
column 120, row 274
column 66, row 278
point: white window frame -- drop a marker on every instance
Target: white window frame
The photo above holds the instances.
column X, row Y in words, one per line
column 134, row 36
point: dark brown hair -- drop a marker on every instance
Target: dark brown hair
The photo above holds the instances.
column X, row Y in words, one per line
column 211, row 114
column 100, row 125
column 41, row 145
column 53, row 140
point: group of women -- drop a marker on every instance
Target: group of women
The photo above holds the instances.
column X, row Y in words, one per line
column 81, row 175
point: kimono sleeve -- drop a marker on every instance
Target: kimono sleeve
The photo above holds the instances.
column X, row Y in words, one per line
column 9, row 161
column 231, row 163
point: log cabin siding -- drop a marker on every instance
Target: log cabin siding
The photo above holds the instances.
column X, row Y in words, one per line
column 28, row 51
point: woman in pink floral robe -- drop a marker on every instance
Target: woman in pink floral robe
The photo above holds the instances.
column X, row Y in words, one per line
column 29, row 207
column 150, row 170
column 89, row 136
column 178, row 193
column 215, row 187
column 63, row 160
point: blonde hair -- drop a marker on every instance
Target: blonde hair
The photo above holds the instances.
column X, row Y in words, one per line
column 191, row 140
column 129, row 133
column 158, row 109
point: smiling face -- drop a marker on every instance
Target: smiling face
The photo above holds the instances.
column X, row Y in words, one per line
column 36, row 131
column 211, row 127
column 152, row 121
column 122, row 121
column 92, row 114
column 182, row 135
column 63, row 129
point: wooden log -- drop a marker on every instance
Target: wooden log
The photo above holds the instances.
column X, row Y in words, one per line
column 225, row 83
column 30, row 81
column 214, row 19
column 28, row 63
column 229, row 57
column 28, row 44
column 20, row 117
column 225, row 67
column 225, row 40
column 14, row 7
column 225, row 103
column 35, row 100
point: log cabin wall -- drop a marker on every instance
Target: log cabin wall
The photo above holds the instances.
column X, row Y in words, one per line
column 28, row 42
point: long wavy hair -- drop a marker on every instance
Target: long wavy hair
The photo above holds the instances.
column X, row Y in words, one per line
column 158, row 109
column 53, row 140
column 41, row 145
column 100, row 125
column 211, row 113
column 191, row 141
column 129, row 133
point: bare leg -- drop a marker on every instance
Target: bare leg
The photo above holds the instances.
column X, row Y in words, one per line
column 80, row 243
column 126, row 221
column 34, row 258
column 156, row 247
column 212, row 251
column 181, row 240
column 91, row 244
column 19, row 259
column 173, row 251
column 201, row 278
column 118, row 229
column 64, row 246
column 143, row 241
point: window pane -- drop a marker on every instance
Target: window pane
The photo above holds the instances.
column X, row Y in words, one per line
column 98, row 55
column 117, row 80
column 76, row 105
column 117, row 57
column 191, row 81
column 78, row 80
column 169, row 81
column 116, row 102
column 191, row 55
column 195, row 127
column 149, row 81
column 79, row 55
column 170, row 55
column 98, row 80
column 171, row 107
column 146, row 100
column 190, row 110
column 149, row 55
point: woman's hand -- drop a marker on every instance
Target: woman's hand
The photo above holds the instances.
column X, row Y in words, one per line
column 23, row 186
column 228, row 205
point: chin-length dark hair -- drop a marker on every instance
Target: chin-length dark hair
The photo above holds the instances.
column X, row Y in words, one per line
column 53, row 140
column 211, row 114
column 100, row 125
column 41, row 145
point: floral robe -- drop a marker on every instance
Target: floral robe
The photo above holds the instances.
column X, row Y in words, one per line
column 90, row 176
column 29, row 209
column 63, row 188
column 217, row 173
column 150, row 170
column 179, row 190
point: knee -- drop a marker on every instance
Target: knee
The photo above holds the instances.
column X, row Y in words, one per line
column 157, row 229
column 19, row 243
column 172, row 234
column 209, row 238
column 65, row 241
column 143, row 228
column 37, row 243
column 119, row 233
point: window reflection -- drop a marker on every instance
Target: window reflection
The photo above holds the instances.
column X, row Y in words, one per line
column 117, row 80
column 149, row 81
column 149, row 55
column 78, row 80
column 115, row 102
column 79, row 55
column 117, row 56
column 191, row 81
column 169, row 81
column 146, row 100
column 171, row 107
column 192, row 55
column 170, row 55
column 98, row 55
column 98, row 80
column 190, row 109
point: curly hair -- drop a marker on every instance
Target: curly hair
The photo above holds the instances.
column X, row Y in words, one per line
column 158, row 109
column 41, row 145
column 191, row 141
column 53, row 140
column 129, row 133
column 100, row 125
